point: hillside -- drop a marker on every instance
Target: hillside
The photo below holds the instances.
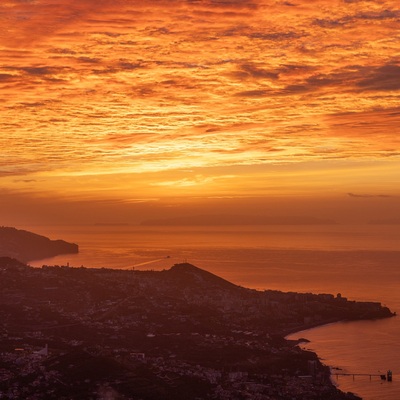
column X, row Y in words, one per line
column 182, row 333
column 27, row 246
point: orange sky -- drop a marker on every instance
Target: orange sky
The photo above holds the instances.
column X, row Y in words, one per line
column 119, row 110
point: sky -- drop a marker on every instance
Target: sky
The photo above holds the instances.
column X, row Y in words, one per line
column 121, row 111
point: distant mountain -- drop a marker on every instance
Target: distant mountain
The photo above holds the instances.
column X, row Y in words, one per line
column 394, row 221
column 210, row 220
column 111, row 224
column 27, row 246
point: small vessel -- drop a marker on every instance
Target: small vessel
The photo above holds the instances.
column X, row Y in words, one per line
column 389, row 376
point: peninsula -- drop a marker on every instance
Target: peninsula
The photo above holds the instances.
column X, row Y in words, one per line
column 27, row 246
column 181, row 333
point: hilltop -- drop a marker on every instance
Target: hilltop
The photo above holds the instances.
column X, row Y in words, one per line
column 180, row 333
column 27, row 246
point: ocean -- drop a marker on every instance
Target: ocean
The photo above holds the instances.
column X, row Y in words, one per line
column 362, row 262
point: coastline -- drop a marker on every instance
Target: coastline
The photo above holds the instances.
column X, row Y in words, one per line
column 238, row 313
column 302, row 333
column 371, row 281
column 326, row 368
column 307, row 327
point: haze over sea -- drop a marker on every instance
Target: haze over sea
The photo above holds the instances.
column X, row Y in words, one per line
column 359, row 261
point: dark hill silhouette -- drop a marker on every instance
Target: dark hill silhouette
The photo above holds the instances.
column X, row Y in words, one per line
column 189, row 275
column 11, row 263
column 27, row 246
column 196, row 286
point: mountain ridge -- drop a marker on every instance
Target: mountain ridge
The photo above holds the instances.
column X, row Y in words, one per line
column 231, row 220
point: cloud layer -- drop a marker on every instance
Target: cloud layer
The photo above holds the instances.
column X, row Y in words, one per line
column 187, row 88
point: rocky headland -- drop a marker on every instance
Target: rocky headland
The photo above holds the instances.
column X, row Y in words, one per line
column 27, row 246
column 181, row 333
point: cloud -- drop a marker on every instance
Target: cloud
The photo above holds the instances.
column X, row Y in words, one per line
column 6, row 77
column 252, row 93
column 198, row 180
column 355, row 78
column 132, row 87
column 384, row 78
column 344, row 78
column 278, row 36
column 37, row 70
column 89, row 60
column 25, row 180
column 369, row 195
column 378, row 15
column 355, row 18
column 253, row 71
column 330, row 23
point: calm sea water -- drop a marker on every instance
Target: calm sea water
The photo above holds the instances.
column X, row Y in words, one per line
column 360, row 262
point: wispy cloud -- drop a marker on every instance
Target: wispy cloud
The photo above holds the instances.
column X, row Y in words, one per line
column 384, row 196
column 197, row 180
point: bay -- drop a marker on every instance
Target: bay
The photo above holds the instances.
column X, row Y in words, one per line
column 360, row 262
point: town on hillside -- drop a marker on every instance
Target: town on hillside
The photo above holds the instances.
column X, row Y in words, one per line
column 181, row 333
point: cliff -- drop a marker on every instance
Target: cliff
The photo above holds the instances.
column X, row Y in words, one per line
column 27, row 246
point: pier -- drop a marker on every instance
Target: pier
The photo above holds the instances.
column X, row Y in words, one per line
column 384, row 377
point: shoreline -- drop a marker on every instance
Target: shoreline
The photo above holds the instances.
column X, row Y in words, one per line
column 328, row 368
